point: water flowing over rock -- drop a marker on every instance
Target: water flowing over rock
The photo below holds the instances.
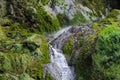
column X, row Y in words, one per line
column 58, row 68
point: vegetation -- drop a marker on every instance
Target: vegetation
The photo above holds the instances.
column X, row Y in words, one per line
column 101, row 60
column 97, row 6
column 107, row 56
column 78, row 19
column 22, row 53
column 45, row 2
column 32, row 15
column 98, row 57
column 95, row 54
column 68, row 48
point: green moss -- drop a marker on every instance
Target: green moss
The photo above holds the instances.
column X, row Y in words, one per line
column 96, row 26
column 15, row 63
column 23, row 76
column 8, row 77
column 78, row 18
column 68, row 48
column 49, row 77
column 42, row 51
column 83, row 66
column 5, row 64
column 5, row 21
column 106, row 36
column 44, row 2
column 107, row 56
column 32, row 16
column 96, row 64
column 28, row 55
column 2, row 34
column 97, row 6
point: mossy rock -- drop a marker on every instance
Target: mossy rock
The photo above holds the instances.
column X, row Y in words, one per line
column 68, row 48
column 99, row 56
column 32, row 16
column 78, row 19
column 15, row 63
column 27, row 55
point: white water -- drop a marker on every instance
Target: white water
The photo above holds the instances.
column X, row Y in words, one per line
column 55, row 35
column 59, row 60
column 58, row 68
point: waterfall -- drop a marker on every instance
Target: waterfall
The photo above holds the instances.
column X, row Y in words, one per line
column 59, row 68
column 59, row 64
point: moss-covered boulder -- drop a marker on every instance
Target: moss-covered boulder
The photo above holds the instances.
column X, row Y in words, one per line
column 32, row 15
column 95, row 53
column 102, row 61
column 68, row 48
column 22, row 53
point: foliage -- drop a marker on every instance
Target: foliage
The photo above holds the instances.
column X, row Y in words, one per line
column 68, row 48
column 107, row 47
column 99, row 57
column 32, row 15
column 78, row 18
column 22, row 52
column 97, row 6
column 42, row 21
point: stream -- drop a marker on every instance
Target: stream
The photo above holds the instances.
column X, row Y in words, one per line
column 59, row 68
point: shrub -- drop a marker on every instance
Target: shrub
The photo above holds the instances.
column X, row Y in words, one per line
column 108, row 52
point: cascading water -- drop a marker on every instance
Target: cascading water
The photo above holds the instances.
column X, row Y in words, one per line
column 58, row 68
column 59, row 60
